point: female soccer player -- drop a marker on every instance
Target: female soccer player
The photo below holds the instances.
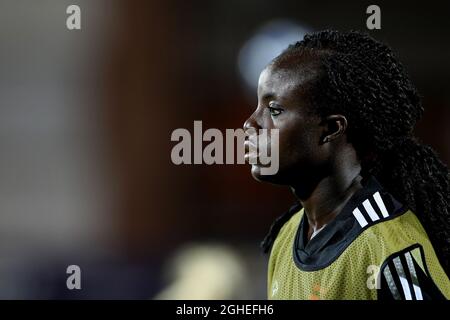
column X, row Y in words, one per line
column 372, row 218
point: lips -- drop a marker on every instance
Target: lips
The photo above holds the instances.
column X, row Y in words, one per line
column 250, row 154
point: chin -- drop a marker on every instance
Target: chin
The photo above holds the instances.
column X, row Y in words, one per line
column 258, row 176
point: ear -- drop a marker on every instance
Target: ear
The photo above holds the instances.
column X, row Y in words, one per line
column 335, row 127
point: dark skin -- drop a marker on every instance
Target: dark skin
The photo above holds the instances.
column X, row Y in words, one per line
column 315, row 158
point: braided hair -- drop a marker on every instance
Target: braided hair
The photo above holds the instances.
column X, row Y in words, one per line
column 362, row 79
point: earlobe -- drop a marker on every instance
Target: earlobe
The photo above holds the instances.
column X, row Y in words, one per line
column 336, row 127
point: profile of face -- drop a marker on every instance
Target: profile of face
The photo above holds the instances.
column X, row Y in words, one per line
column 283, row 105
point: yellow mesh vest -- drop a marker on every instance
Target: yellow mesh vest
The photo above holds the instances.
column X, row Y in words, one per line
column 347, row 277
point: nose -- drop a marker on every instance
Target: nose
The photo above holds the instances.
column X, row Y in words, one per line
column 251, row 122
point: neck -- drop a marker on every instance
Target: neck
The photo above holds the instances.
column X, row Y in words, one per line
column 328, row 197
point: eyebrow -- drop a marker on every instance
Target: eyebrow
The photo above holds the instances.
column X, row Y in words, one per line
column 268, row 96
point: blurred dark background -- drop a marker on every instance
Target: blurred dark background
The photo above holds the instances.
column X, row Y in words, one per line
column 86, row 118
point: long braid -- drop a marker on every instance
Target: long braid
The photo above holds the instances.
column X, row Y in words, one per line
column 362, row 79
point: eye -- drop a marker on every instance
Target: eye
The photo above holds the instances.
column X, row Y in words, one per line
column 274, row 110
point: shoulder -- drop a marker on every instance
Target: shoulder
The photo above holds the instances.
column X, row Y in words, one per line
column 412, row 274
column 290, row 228
column 278, row 225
